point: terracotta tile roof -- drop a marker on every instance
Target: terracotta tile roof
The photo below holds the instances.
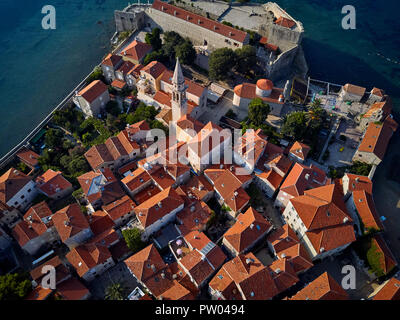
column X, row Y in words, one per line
column 36, row 222
column 177, row 292
column 272, row 177
column 378, row 92
column 248, row 228
column 118, row 84
column 176, row 170
column 135, row 71
column 163, row 98
column 353, row 89
column 385, row 107
column 119, row 208
column 248, row 91
column 161, row 177
column 365, row 207
column 301, row 178
column 11, row 182
column 129, row 167
column 322, row 288
column 136, row 179
column 252, row 145
column 192, row 87
column 97, row 155
column 150, row 211
column 358, row 183
column 283, row 274
column 287, row 246
column 197, row 187
column 387, row 260
column 128, row 145
column 69, row 221
column 52, row 182
column 115, row 148
column 28, row 156
column 137, row 127
column 111, row 60
column 100, row 222
column 193, row 217
column 136, row 50
column 146, row 193
column 87, row 256
column 376, row 139
column 154, row 68
column 39, row 293
column 248, row 274
column 145, row 263
column 188, row 122
column 285, row 22
column 300, row 150
column 209, row 24
column 126, row 67
column 390, row 290
column 165, row 115
column 92, row 91
column 72, row 289
column 62, row 271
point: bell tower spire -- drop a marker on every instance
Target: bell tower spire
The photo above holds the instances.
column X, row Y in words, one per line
column 178, row 101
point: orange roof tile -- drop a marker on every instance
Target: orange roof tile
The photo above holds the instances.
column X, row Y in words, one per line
column 136, row 50
column 285, row 22
column 387, row 260
column 390, row 290
column 300, row 150
column 119, row 208
column 52, row 182
column 111, row 60
column 248, row 91
column 248, row 228
column 28, row 157
column 72, row 289
column 206, row 23
column 283, row 274
column 365, row 207
column 353, row 89
column 154, row 68
column 322, row 288
column 11, row 182
column 92, row 91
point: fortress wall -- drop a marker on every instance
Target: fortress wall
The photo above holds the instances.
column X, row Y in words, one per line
column 187, row 29
column 129, row 21
column 283, row 64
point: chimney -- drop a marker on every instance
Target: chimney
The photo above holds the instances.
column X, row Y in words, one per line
column 230, row 33
column 252, row 226
column 163, row 275
column 199, row 21
column 175, row 13
column 174, row 276
column 248, row 261
column 215, row 27
column 322, row 249
column 188, row 18
column 221, row 166
column 153, row 267
column 192, row 208
column 357, row 179
column 283, row 255
column 307, row 176
column 160, row 204
column 277, row 270
column 345, row 219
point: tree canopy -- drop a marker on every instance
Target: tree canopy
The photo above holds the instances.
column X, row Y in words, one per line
column 154, row 39
column 258, row 111
column 221, row 62
column 115, row 291
column 133, row 239
column 246, row 59
column 186, row 52
column 295, row 125
column 14, row 286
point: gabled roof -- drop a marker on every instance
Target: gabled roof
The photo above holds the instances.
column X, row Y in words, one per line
column 386, row 259
column 285, row 22
column 154, row 68
column 197, row 187
column 87, row 256
column 301, row 178
column 136, row 179
column 11, row 182
column 385, row 107
column 92, row 91
column 365, row 207
column 69, row 221
column 188, row 122
column 247, row 273
column 283, row 274
column 111, row 60
column 136, row 50
column 72, row 289
column 353, row 89
column 119, row 208
column 389, row 291
column 300, row 150
column 194, row 217
column 62, row 271
column 28, row 156
column 249, row 227
column 145, row 263
column 196, row 19
column 52, row 182
column 358, row 183
column 150, row 211
column 37, row 220
column 377, row 137
column 97, row 155
column 322, row 288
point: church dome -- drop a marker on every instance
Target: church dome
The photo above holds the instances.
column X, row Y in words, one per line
column 264, row 87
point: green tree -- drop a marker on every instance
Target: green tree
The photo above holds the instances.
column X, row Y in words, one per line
column 115, row 291
column 375, row 259
column 186, row 52
column 246, row 59
column 97, row 74
column 360, row 168
column 295, row 125
column 14, row 286
column 258, row 111
column 155, row 124
column 172, row 40
column 133, row 239
column 155, row 56
column 54, row 138
column 154, row 39
column 221, row 61
column 112, row 107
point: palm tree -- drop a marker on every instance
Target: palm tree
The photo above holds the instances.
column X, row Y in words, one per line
column 115, row 291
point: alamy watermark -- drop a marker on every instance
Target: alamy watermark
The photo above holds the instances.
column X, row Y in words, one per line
column 349, row 20
column 49, row 280
column 49, row 20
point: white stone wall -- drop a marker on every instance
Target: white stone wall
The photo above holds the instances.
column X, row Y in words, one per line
column 99, row 269
column 23, row 198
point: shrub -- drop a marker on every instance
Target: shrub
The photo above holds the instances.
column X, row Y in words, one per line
column 133, row 239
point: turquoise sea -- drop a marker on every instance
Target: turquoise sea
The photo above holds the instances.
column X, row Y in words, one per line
column 40, row 67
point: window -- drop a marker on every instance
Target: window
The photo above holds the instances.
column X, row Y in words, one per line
column 29, row 190
column 22, row 196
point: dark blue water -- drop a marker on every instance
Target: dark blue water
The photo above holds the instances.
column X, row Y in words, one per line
column 40, row 67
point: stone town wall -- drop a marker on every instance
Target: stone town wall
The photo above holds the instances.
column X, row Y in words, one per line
column 196, row 33
column 129, row 21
